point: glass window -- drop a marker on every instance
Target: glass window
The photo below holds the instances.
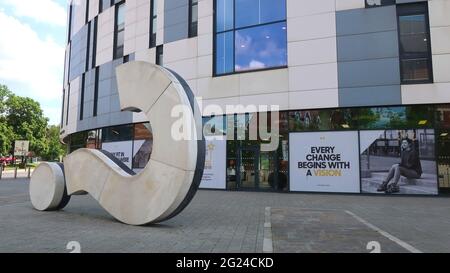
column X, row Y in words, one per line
column 160, row 55
column 256, row 12
column 313, row 120
column 78, row 141
column 413, row 34
column 443, row 116
column 250, row 35
column 214, row 126
column 117, row 133
column 104, row 4
column 414, row 40
column 193, row 18
column 261, row 47
column 153, row 23
column 415, row 69
column 119, row 31
column 224, row 53
column 224, row 15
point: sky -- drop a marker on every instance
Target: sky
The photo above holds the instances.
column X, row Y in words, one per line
column 32, row 46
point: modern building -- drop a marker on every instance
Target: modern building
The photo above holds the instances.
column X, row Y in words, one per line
column 352, row 79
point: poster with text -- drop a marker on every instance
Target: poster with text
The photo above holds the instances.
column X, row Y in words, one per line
column 324, row 162
column 214, row 174
column 398, row 162
column 121, row 150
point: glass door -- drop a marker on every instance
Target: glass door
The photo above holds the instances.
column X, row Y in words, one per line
column 249, row 168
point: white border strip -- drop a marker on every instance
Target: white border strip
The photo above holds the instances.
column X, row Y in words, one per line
column 401, row 243
column 268, row 243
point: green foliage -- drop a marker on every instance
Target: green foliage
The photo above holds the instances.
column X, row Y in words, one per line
column 6, row 137
column 55, row 148
column 27, row 119
column 23, row 119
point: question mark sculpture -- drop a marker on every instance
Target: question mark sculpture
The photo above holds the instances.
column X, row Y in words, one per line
column 169, row 181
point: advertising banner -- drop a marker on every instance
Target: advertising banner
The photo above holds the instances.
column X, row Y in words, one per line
column 398, row 162
column 214, row 175
column 121, row 150
column 324, row 162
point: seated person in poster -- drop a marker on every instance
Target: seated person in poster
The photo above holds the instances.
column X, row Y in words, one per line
column 409, row 167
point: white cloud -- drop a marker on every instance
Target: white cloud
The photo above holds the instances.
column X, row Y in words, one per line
column 27, row 61
column 254, row 64
column 44, row 11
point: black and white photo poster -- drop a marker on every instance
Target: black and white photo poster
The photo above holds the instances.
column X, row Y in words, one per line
column 398, row 162
column 121, row 150
column 324, row 162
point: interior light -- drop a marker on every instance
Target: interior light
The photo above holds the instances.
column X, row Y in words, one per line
column 444, row 134
column 346, row 126
column 423, row 122
column 242, row 46
column 267, row 37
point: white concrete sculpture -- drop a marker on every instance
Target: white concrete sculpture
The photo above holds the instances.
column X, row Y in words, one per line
column 172, row 176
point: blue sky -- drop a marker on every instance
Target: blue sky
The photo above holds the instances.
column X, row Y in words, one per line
column 32, row 45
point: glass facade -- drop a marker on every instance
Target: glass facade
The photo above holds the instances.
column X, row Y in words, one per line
column 250, row 166
column 250, row 35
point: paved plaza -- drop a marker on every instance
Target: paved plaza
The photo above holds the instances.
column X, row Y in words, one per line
column 218, row 221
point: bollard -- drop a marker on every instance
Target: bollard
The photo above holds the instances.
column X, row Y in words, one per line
column 15, row 172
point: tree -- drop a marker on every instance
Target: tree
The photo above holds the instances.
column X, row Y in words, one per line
column 6, row 132
column 6, row 139
column 26, row 118
column 4, row 94
column 55, row 148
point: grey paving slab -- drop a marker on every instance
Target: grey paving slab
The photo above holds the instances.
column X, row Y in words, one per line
column 219, row 221
column 322, row 231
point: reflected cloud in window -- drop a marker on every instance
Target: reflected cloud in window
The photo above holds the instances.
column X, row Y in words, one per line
column 250, row 35
column 261, row 47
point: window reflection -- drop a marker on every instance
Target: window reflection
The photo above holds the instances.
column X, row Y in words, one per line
column 250, row 35
column 224, row 53
column 414, row 40
column 261, row 47
column 224, row 15
column 256, row 12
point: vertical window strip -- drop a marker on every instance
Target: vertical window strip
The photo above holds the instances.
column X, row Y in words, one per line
column 87, row 12
column 97, row 70
column 69, row 31
column 94, row 43
column 62, row 107
column 406, row 10
column 193, row 22
column 83, row 88
column 68, row 105
column 88, row 47
column 153, row 18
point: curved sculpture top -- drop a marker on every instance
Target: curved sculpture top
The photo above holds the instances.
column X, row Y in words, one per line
column 172, row 176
